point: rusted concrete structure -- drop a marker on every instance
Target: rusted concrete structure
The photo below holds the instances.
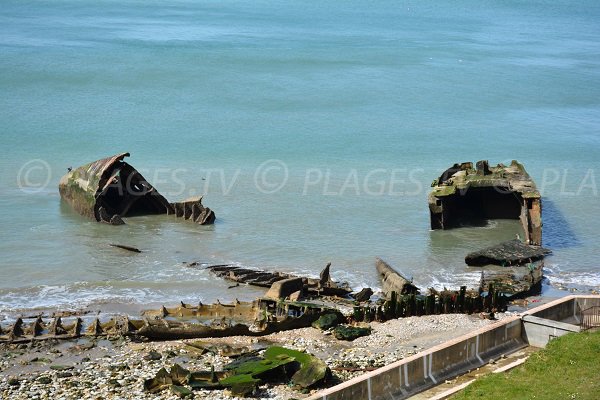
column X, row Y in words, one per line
column 464, row 194
column 109, row 189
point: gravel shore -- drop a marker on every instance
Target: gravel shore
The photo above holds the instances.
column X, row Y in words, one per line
column 116, row 369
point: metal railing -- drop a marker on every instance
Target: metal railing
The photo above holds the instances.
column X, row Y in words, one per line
column 590, row 318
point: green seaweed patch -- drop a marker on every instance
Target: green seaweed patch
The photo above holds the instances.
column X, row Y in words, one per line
column 241, row 385
column 257, row 368
column 312, row 369
column 181, row 391
column 442, row 191
column 238, row 379
column 328, row 321
column 348, row 332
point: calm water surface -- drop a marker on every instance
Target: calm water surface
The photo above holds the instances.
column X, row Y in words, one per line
column 313, row 129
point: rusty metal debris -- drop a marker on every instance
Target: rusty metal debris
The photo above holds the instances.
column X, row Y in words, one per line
column 323, row 286
column 268, row 315
column 125, row 247
column 467, row 195
column 257, row 318
column 244, row 375
column 109, row 189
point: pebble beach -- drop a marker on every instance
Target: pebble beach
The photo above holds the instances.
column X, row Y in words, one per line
column 117, row 368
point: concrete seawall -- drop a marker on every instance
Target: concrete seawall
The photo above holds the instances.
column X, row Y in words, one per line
column 421, row 371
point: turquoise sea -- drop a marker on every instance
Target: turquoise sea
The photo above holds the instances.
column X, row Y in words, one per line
column 312, row 128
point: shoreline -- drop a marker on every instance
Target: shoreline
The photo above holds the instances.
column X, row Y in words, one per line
column 133, row 309
column 101, row 368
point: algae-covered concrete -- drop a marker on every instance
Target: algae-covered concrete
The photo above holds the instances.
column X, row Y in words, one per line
column 465, row 194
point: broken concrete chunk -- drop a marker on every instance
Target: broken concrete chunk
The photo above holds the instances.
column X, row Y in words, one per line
column 284, row 288
column 513, row 252
column 348, row 332
column 179, row 375
column 329, row 321
column 311, row 370
column 364, row 295
column 109, row 189
column 153, row 356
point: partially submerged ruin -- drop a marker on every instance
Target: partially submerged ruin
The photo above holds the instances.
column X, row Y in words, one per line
column 109, row 189
column 392, row 280
column 283, row 311
column 464, row 195
column 257, row 318
column 324, row 286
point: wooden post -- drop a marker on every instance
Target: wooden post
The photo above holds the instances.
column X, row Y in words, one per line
column 461, row 299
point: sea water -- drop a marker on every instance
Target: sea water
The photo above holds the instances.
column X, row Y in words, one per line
column 312, row 129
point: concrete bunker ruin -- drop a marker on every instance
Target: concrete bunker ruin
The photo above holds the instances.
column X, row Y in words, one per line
column 464, row 195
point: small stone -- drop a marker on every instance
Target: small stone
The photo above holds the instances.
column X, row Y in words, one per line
column 171, row 354
column 153, row 356
column 13, row 382
column 61, row 367
column 44, row 380
column 114, row 382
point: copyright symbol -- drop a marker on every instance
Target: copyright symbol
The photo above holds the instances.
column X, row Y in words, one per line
column 34, row 176
column 271, row 176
